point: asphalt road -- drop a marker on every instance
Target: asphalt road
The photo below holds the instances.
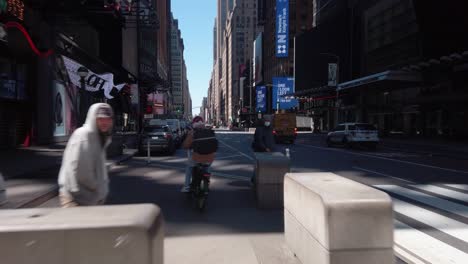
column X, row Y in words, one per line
column 430, row 194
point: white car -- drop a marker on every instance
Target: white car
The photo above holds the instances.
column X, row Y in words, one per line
column 350, row 134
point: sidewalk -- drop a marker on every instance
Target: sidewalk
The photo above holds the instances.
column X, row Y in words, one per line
column 432, row 147
column 442, row 148
column 31, row 175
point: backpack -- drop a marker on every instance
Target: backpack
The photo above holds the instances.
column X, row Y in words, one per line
column 204, row 141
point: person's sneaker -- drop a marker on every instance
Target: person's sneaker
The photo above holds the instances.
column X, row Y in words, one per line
column 185, row 189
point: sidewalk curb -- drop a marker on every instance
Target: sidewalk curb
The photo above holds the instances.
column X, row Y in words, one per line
column 39, row 199
column 123, row 158
column 426, row 153
column 53, row 192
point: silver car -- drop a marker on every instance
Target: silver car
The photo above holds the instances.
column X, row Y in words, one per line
column 351, row 134
column 158, row 139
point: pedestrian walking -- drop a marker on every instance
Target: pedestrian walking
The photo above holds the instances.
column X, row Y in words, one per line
column 83, row 178
column 263, row 138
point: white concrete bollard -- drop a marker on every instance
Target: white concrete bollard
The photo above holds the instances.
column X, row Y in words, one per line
column 93, row 235
column 270, row 169
column 3, row 197
column 333, row 220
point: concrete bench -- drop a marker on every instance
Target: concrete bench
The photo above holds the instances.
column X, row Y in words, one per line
column 330, row 219
column 92, row 235
column 270, row 169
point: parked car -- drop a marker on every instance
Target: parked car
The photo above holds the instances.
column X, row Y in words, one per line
column 351, row 134
column 156, row 122
column 174, row 124
column 160, row 139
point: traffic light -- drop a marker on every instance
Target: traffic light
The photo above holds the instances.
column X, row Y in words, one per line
column 149, row 109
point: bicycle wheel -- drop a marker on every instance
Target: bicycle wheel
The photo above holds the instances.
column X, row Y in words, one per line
column 201, row 203
column 205, row 186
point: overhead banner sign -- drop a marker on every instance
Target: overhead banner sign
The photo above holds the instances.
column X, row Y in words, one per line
column 261, row 99
column 282, row 28
column 283, row 86
column 258, row 60
column 93, row 82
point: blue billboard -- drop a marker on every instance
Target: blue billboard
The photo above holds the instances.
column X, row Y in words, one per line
column 261, row 99
column 282, row 28
column 283, row 86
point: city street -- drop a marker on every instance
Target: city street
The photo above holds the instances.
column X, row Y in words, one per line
column 430, row 197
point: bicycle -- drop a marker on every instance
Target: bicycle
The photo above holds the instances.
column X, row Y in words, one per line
column 199, row 187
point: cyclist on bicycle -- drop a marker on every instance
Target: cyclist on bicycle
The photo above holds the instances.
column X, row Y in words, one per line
column 202, row 145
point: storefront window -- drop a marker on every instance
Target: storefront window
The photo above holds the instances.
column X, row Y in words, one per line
column 12, row 80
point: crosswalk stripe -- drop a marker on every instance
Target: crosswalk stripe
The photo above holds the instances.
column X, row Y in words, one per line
column 411, row 241
column 463, row 187
column 440, row 222
column 436, row 202
column 444, row 192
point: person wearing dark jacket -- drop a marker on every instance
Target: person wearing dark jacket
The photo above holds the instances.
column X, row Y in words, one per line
column 263, row 138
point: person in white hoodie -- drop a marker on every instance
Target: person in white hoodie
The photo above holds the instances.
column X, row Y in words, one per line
column 83, row 178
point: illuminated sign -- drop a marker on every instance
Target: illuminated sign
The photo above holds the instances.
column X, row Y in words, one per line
column 12, row 7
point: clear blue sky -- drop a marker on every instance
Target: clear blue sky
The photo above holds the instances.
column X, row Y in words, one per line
column 196, row 21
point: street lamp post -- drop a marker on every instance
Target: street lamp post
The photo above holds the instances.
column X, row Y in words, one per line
column 83, row 73
column 277, row 98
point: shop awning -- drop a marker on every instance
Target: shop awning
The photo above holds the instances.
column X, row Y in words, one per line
column 395, row 76
column 321, row 91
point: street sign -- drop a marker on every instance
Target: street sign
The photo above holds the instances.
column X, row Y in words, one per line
column 281, row 87
column 282, row 28
column 261, row 99
column 332, row 74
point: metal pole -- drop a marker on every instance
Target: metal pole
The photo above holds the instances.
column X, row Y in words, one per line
column 82, row 101
column 149, row 151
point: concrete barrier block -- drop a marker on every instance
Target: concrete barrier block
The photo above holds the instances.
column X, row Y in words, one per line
column 309, row 250
column 335, row 217
column 92, row 235
column 269, row 196
column 270, row 168
column 3, row 197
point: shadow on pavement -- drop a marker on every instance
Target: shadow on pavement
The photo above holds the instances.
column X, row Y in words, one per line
column 231, row 207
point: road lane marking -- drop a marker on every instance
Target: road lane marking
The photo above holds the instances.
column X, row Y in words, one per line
column 383, row 158
column 230, row 176
column 442, row 223
column 382, row 174
column 227, row 157
column 231, row 147
column 214, row 173
column 408, row 242
column 462, row 187
column 442, row 191
column 430, row 200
